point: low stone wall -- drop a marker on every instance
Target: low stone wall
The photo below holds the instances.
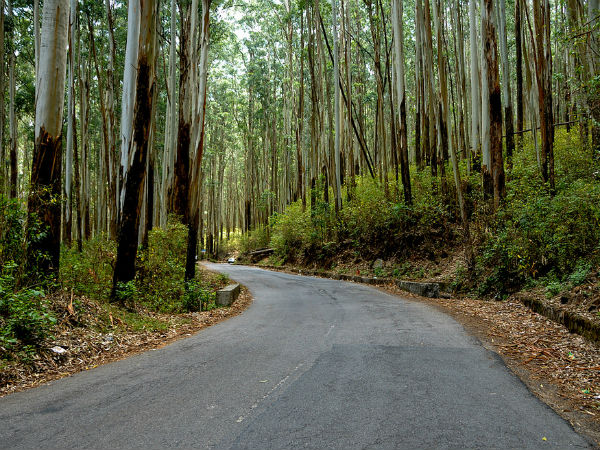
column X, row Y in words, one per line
column 574, row 322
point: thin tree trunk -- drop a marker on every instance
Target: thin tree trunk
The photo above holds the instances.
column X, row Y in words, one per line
column 336, row 74
column 398, row 27
column 519, row 69
column 476, row 115
column 2, row 81
column 12, row 119
column 543, row 61
column 171, row 131
column 506, row 91
column 71, row 124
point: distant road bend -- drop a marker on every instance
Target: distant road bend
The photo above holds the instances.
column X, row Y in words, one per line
column 313, row 363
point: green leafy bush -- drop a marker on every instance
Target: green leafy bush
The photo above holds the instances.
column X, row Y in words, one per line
column 198, row 297
column 25, row 320
column 537, row 235
column 12, row 223
column 90, row 272
column 160, row 280
column 373, row 223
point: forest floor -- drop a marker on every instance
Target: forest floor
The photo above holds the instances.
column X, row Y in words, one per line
column 88, row 335
column 561, row 368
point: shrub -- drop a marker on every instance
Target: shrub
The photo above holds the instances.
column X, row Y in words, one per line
column 198, row 297
column 90, row 272
column 25, row 320
column 12, row 223
column 160, row 281
column 536, row 235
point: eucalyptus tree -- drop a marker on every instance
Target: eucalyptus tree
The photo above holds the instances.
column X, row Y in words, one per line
column 143, row 36
column 506, row 90
column 493, row 161
column 12, row 120
column 193, row 206
column 543, row 73
column 398, row 27
column 45, row 185
column 71, row 121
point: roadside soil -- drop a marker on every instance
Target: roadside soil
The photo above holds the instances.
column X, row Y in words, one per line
column 81, row 347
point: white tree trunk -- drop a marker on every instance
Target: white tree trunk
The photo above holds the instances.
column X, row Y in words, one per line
column 475, row 89
column 198, row 148
column 70, row 110
column 129, row 85
column 36, row 32
column 12, row 118
column 171, row 132
column 336, row 74
column 45, row 186
column 53, row 67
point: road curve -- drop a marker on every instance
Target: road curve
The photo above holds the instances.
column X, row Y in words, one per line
column 313, row 363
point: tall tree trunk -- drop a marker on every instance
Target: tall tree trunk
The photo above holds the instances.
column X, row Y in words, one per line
column 2, row 81
column 495, row 169
column 519, row 69
column 336, row 75
column 111, row 129
column 543, row 61
column 133, row 180
column 184, row 126
column 398, row 27
column 12, row 118
column 171, row 131
column 71, row 124
column 196, row 177
column 45, row 188
column 129, row 95
column 475, row 87
column 506, row 91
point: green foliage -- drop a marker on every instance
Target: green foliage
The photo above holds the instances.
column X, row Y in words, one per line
column 582, row 269
column 90, row 272
column 538, row 235
column 257, row 238
column 198, row 297
column 162, row 268
column 25, row 320
column 373, row 223
column 126, row 292
column 12, row 225
column 159, row 284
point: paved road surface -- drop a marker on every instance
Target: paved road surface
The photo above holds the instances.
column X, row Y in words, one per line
column 313, row 363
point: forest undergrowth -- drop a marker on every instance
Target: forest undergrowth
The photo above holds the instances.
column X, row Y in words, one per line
column 536, row 240
column 45, row 324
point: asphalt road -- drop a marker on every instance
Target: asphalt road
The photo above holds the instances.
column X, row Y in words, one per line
column 313, row 363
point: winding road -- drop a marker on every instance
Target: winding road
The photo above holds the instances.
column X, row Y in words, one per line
column 313, row 363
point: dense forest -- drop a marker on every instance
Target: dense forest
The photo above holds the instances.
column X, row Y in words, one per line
column 454, row 138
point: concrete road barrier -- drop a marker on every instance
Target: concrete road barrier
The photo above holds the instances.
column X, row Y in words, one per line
column 227, row 295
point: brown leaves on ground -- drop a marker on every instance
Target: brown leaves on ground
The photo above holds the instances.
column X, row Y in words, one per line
column 87, row 348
